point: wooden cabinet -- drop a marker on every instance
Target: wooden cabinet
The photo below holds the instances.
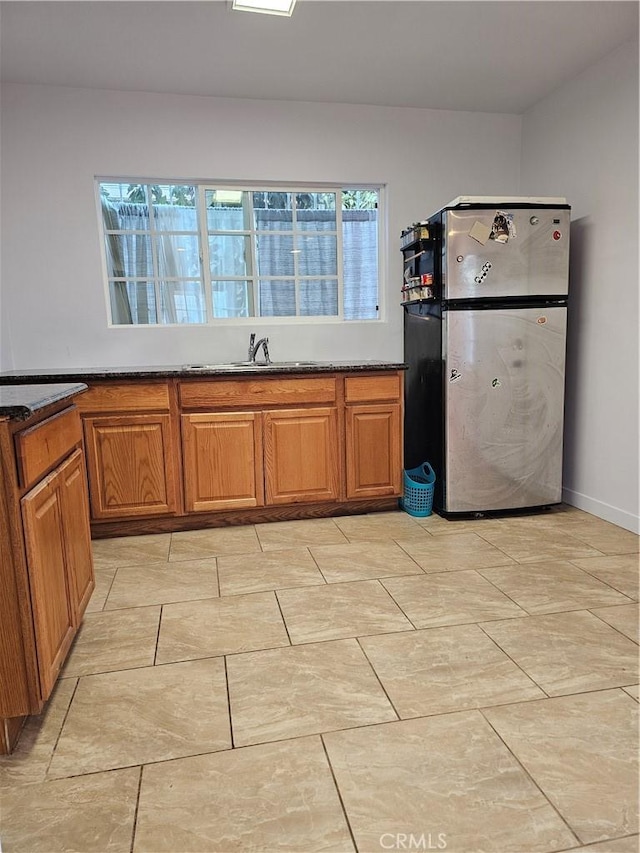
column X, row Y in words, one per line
column 73, row 477
column 58, row 545
column 130, row 462
column 173, row 453
column 129, row 432
column 373, row 436
column 374, row 463
column 274, row 455
column 49, row 579
column 301, row 455
column 222, row 461
column 46, row 573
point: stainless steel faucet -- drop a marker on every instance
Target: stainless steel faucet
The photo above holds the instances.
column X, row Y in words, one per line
column 254, row 347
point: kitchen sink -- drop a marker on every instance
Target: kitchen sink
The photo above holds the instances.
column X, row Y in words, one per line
column 206, row 366
column 293, row 363
column 251, row 365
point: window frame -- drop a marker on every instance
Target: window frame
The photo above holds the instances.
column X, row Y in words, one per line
column 203, row 234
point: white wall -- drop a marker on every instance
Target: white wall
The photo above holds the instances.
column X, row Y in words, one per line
column 55, row 140
column 582, row 142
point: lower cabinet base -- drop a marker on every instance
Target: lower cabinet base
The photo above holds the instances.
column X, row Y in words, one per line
column 10, row 730
column 257, row 515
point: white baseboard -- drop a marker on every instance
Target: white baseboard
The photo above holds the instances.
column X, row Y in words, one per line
column 609, row 513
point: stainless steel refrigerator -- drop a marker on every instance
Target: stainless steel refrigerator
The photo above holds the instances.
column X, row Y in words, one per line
column 485, row 302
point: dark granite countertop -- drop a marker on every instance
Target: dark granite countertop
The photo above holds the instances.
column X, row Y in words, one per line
column 19, row 402
column 185, row 371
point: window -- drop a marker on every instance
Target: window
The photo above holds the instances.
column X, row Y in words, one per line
column 201, row 253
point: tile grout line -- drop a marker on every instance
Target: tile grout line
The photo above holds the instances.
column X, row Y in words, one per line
column 388, row 591
column 135, row 812
column 586, row 541
column 604, row 621
column 549, row 557
column 529, row 776
column 607, row 583
column 382, row 687
column 332, row 731
column 591, row 844
column 495, row 585
column 155, row 652
column 158, row 604
column 226, row 681
column 422, row 569
column 264, row 590
column 400, row 610
column 226, row 749
column 217, row 571
column 339, row 793
column 542, row 616
column 307, row 643
column 254, row 527
column 588, row 692
column 497, row 547
column 514, row 662
column 311, row 554
column 318, row 641
column 599, row 580
column 563, row 610
column 64, row 720
column 319, row 734
column 106, row 598
column 470, row 568
column 569, row 609
column 284, row 621
column 337, row 584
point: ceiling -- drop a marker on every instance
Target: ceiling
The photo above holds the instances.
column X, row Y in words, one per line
column 501, row 56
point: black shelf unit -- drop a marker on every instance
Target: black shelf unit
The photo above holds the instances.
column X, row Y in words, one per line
column 420, row 257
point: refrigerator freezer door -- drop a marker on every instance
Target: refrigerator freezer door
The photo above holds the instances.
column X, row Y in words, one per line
column 493, row 253
column 504, row 390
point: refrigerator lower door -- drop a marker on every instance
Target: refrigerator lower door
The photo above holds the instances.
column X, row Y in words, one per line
column 504, row 395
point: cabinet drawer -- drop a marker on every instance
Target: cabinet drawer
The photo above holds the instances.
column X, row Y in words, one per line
column 256, row 392
column 125, row 397
column 41, row 447
column 359, row 389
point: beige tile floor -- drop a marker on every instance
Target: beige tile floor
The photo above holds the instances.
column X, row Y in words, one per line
column 353, row 684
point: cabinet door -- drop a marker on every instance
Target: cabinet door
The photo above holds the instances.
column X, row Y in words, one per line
column 52, row 598
column 130, row 462
column 301, row 455
column 77, row 532
column 374, row 463
column 222, row 461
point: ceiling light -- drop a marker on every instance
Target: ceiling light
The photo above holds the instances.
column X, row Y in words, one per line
column 267, row 7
